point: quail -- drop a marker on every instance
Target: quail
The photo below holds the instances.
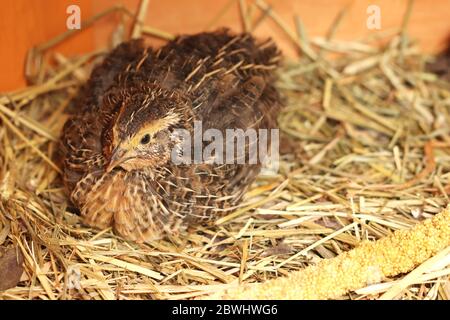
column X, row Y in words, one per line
column 118, row 142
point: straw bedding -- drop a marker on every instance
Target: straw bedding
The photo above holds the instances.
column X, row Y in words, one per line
column 365, row 152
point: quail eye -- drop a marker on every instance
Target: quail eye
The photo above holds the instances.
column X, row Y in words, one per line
column 145, row 139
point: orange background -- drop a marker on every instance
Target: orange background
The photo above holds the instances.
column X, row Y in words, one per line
column 25, row 23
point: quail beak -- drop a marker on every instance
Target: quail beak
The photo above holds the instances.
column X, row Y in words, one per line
column 117, row 158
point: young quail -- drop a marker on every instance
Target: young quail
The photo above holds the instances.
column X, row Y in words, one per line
column 117, row 146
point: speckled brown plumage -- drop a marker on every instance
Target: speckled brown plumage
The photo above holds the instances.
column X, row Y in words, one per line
column 441, row 64
column 115, row 146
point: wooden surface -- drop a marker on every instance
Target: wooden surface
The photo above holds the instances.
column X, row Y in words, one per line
column 26, row 23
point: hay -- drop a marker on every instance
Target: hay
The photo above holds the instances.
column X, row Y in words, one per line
column 367, row 152
column 369, row 263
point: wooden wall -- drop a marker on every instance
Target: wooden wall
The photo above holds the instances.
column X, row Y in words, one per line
column 24, row 23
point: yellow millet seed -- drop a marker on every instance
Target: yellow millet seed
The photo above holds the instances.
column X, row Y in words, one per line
column 369, row 263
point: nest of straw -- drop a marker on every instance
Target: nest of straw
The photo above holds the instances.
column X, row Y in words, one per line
column 365, row 152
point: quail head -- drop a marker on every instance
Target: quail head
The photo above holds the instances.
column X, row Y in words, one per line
column 119, row 143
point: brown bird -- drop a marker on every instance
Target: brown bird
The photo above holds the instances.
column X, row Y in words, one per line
column 441, row 64
column 117, row 145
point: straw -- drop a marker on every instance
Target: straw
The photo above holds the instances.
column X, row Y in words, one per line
column 365, row 161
